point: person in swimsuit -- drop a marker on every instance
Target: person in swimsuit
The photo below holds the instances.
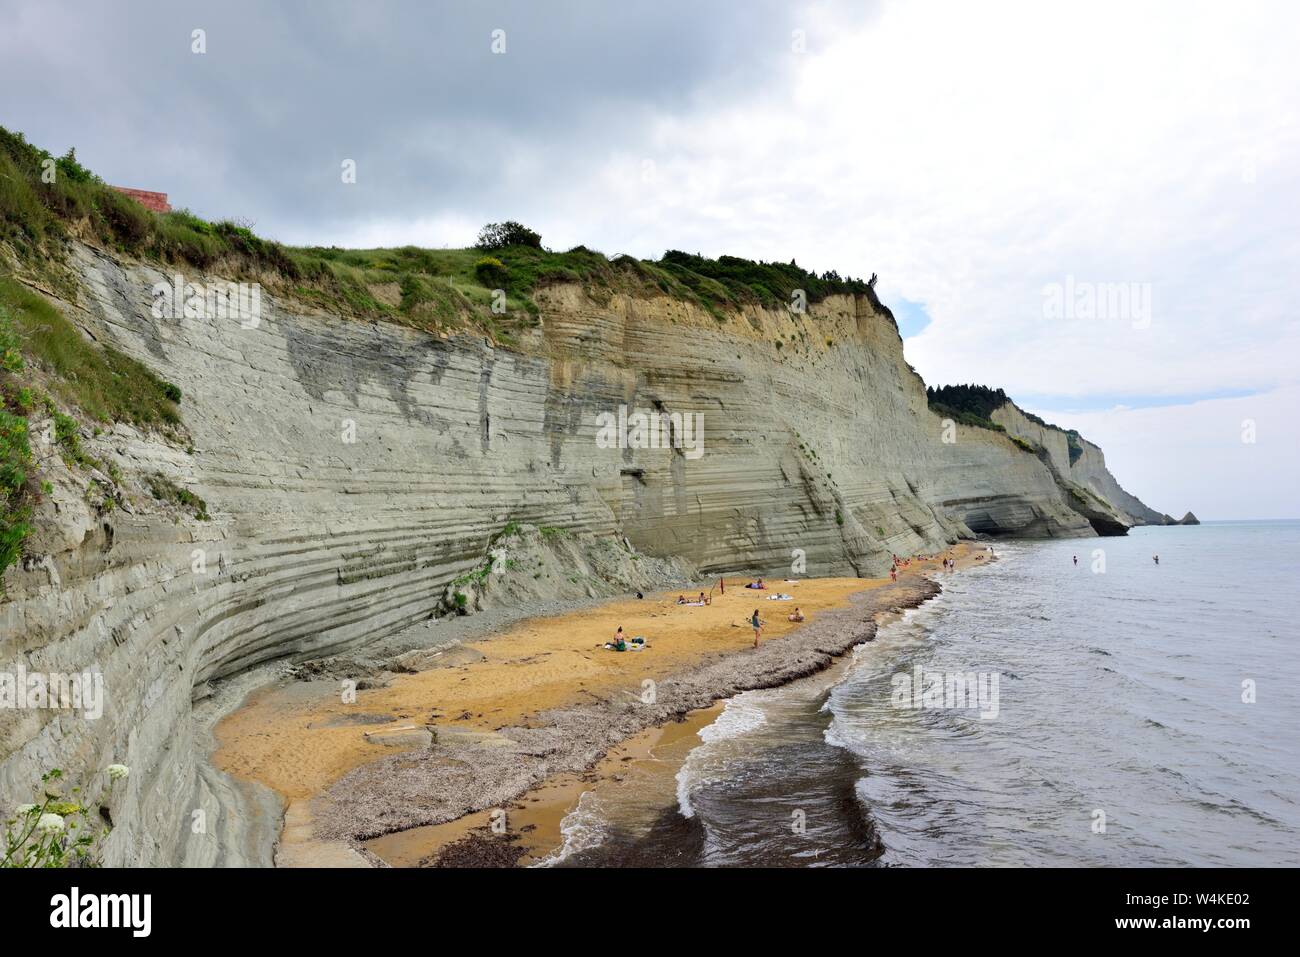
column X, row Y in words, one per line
column 758, row 626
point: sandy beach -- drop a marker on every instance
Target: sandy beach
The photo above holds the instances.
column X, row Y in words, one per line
column 412, row 764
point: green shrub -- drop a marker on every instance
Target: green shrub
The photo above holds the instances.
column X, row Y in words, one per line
column 67, row 436
column 15, row 462
column 730, row 280
column 509, row 233
column 1072, row 442
column 491, row 272
column 165, row 490
column 15, row 448
column 11, row 358
column 129, row 222
column 510, row 529
column 978, row 400
column 1022, row 444
column 67, row 165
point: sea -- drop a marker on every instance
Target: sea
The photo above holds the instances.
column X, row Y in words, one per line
column 1072, row 703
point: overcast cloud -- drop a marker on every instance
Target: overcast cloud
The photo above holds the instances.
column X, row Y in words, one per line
column 970, row 154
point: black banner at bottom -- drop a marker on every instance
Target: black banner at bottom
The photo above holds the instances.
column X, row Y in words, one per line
column 340, row 907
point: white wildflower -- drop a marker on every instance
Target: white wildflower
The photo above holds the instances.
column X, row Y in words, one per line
column 50, row 824
column 117, row 771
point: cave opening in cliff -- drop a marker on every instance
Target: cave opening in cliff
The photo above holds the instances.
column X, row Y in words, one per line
column 1107, row 527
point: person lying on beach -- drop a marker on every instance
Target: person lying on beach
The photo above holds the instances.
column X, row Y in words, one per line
column 756, row 584
column 681, row 599
column 797, row 616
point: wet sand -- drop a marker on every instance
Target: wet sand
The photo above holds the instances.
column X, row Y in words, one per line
column 534, row 818
column 301, row 737
column 531, row 711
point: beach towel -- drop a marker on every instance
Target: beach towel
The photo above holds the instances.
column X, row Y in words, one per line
column 781, row 597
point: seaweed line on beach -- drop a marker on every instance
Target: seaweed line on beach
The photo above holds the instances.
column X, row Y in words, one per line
column 448, row 780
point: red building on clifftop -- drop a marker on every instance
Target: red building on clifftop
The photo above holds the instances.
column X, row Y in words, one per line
column 149, row 200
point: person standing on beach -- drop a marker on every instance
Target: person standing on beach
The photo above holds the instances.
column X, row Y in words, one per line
column 1156, row 559
column 1076, row 559
column 758, row 627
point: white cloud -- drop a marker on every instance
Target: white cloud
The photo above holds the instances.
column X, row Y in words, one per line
column 972, row 154
column 1221, row 458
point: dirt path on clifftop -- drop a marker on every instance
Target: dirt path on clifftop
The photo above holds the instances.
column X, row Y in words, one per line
column 539, row 700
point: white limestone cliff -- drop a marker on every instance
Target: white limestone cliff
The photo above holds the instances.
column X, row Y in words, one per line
column 823, row 448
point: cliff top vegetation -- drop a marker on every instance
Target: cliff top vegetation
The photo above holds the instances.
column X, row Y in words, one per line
column 44, row 200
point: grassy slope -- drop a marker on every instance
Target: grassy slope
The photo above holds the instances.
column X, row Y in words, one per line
column 47, row 366
column 429, row 288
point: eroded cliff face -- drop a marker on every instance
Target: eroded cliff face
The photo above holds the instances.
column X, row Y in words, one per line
column 352, row 470
column 1081, row 474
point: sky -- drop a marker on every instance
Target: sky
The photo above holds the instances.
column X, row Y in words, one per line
column 1090, row 205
